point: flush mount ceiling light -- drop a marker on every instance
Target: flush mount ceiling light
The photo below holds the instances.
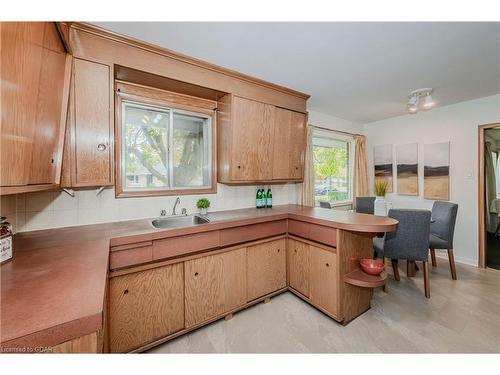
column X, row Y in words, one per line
column 414, row 100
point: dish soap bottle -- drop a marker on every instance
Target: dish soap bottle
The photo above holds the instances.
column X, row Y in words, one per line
column 269, row 198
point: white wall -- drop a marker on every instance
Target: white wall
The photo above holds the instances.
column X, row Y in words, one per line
column 43, row 210
column 458, row 124
column 333, row 123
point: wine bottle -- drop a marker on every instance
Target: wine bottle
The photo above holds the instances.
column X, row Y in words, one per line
column 258, row 199
column 264, row 198
column 269, row 198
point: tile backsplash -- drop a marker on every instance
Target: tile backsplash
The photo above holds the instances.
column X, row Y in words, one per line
column 43, row 210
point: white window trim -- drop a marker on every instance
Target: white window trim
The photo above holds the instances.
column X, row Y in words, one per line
column 331, row 134
column 170, row 170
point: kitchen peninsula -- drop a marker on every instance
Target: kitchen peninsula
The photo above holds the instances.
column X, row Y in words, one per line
column 126, row 286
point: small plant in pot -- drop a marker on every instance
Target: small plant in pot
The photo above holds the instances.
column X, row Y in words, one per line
column 381, row 188
column 380, row 205
column 203, row 204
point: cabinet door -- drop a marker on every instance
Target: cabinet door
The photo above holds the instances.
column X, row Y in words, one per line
column 145, row 306
column 298, row 266
column 214, row 285
column 50, row 110
column 251, row 140
column 288, row 144
column 323, row 279
column 92, row 130
column 266, row 268
column 33, row 76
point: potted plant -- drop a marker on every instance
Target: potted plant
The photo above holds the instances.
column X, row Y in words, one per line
column 203, row 205
column 380, row 206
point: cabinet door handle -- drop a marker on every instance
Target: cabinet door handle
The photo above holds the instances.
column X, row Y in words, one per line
column 295, row 251
column 196, row 273
column 101, row 147
column 125, row 291
column 296, row 168
column 239, row 166
column 278, row 250
column 328, row 265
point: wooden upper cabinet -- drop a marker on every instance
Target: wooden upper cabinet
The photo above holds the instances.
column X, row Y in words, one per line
column 88, row 159
column 214, row 285
column 35, row 71
column 258, row 142
column 266, row 268
column 251, row 140
column 289, row 144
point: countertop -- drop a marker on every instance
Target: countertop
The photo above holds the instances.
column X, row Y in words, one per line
column 53, row 290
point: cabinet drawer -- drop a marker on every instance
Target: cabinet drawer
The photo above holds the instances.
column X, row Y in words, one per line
column 252, row 232
column 314, row 232
column 176, row 246
column 129, row 255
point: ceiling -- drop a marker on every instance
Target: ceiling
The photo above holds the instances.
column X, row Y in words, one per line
column 361, row 72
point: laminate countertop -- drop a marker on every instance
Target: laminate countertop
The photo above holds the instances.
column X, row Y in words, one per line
column 54, row 288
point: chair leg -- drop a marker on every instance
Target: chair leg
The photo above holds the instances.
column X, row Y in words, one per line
column 410, row 268
column 433, row 257
column 453, row 269
column 395, row 269
column 427, row 282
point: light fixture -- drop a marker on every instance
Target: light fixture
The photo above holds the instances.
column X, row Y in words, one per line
column 428, row 102
column 413, row 105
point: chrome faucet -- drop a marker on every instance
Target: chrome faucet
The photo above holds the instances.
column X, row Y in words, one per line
column 177, row 201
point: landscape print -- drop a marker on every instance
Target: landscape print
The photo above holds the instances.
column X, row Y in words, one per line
column 437, row 171
column 407, row 168
column 382, row 158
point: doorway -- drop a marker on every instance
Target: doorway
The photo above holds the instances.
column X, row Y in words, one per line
column 489, row 195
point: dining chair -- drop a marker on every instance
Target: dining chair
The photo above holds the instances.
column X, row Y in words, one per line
column 325, row 204
column 444, row 216
column 365, row 205
column 409, row 242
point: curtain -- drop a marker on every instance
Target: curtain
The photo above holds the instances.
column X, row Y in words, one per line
column 305, row 190
column 491, row 188
column 360, row 178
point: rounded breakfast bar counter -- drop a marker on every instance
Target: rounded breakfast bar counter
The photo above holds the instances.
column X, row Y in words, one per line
column 54, row 288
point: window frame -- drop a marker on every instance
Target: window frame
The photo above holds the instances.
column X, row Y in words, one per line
column 163, row 100
column 333, row 135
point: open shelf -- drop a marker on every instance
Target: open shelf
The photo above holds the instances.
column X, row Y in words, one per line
column 364, row 280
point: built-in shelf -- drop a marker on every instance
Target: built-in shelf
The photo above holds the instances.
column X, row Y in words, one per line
column 364, row 280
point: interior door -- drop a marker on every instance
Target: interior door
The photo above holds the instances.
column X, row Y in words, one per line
column 251, row 140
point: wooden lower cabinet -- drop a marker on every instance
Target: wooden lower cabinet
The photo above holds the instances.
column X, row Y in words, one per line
column 324, row 279
column 86, row 344
column 266, row 268
column 298, row 266
column 144, row 306
column 214, row 285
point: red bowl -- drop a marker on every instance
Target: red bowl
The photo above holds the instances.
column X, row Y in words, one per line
column 372, row 266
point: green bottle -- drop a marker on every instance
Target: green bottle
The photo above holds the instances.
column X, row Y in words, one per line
column 264, row 198
column 258, row 199
column 269, row 198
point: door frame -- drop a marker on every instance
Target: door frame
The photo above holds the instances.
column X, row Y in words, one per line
column 481, row 191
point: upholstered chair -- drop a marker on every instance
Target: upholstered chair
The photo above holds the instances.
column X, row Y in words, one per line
column 365, row 205
column 444, row 216
column 409, row 242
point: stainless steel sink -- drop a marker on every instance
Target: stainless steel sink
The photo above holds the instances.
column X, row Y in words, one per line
column 179, row 221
